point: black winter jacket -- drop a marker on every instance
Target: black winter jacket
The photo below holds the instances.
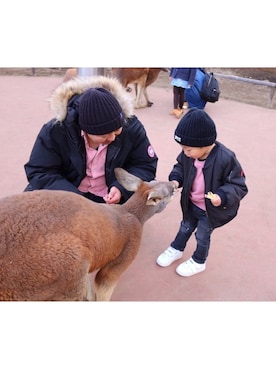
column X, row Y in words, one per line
column 58, row 158
column 223, row 175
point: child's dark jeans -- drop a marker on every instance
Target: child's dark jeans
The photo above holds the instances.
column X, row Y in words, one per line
column 195, row 218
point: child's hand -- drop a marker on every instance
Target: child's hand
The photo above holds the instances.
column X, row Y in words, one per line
column 214, row 198
column 175, row 184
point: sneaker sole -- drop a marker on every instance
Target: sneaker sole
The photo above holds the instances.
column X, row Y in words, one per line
column 167, row 265
column 190, row 274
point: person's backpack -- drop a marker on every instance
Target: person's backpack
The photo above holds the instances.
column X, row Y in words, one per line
column 210, row 88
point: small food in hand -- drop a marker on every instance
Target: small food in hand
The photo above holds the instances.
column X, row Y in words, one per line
column 210, row 195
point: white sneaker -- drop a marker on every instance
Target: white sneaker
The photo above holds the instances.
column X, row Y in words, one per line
column 190, row 268
column 168, row 257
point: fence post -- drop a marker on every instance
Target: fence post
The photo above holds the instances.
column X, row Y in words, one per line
column 272, row 91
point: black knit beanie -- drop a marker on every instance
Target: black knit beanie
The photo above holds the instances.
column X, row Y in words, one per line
column 99, row 112
column 195, row 129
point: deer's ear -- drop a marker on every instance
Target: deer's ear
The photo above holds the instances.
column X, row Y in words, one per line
column 154, row 198
column 127, row 180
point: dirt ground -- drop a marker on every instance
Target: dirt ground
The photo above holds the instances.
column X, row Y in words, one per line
column 241, row 91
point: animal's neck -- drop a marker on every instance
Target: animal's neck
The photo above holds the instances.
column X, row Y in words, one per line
column 136, row 205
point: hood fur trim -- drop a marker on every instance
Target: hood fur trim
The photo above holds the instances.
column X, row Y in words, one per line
column 63, row 93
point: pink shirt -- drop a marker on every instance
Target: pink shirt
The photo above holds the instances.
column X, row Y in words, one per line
column 94, row 181
column 198, row 187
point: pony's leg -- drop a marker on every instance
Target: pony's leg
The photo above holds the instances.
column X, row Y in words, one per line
column 141, row 86
column 149, row 103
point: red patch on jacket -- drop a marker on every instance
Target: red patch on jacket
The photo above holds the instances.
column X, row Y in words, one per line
column 151, row 152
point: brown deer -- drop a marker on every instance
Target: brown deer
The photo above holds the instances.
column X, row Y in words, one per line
column 141, row 78
column 51, row 241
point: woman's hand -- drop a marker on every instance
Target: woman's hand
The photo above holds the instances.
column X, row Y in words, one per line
column 113, row 197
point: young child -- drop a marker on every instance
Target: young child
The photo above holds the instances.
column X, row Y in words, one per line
column 213, row 184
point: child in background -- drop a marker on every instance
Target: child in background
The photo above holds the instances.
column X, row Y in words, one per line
column 181, row 79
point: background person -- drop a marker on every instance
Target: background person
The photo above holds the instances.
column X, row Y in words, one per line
column 181, row 79
column 193, row 95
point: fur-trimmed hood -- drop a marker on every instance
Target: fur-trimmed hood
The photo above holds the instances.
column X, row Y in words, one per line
column 62, row 94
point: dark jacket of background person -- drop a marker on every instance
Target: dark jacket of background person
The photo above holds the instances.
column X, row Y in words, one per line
column 58, row 157
column 187, row 74
column 192, row 94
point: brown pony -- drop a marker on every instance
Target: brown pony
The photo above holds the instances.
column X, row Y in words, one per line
column 141, row 78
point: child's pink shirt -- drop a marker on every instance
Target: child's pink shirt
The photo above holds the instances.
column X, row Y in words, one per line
column 198, row 187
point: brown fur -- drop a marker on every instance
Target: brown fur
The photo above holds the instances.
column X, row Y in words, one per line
column 50, row 241
column 62, row 94
column 141, row 78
